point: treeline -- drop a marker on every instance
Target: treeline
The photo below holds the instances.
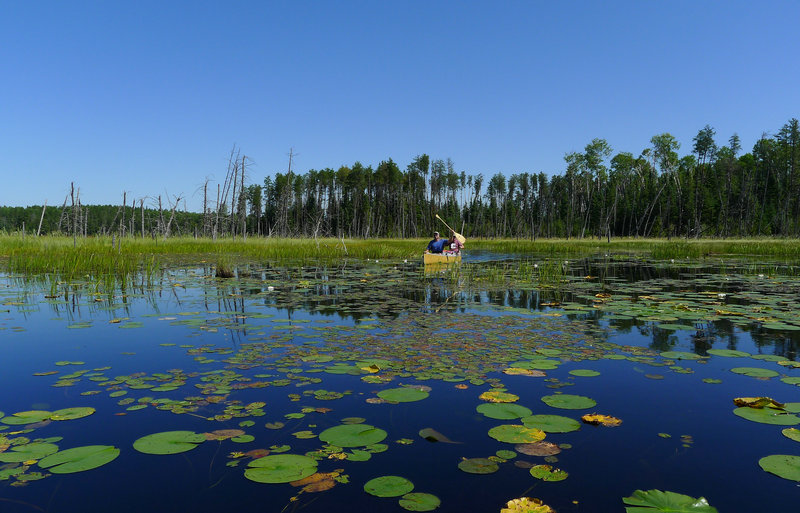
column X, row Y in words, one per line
column 712, row 190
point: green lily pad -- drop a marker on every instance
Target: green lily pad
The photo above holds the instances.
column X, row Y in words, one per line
column 478, row 466
column 169, row 442
column 241, row 439
column 782, row 465
column 72, row 413
column 353, row 420
column 32, row 451
column 506, row 454
column 419, row 502
column 359, row 455
column 280, row 468
column 756, row 372
column 768, row 357
column 767, row 416
column 79, row 459
column 552, row 423
column 548, row 473
column 653, row 501
column 503, row 411
column 671, row 326
column 730, row 353
column 26, row 417
column 791, row 407
column 403, row 395
column 792, row 434
column 680, row 355
column 516, row 434
column 584, row 373
column 352, row 435
column 388, row 486
column 569, row 402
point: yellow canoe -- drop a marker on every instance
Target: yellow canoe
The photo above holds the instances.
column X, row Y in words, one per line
column 440, row 258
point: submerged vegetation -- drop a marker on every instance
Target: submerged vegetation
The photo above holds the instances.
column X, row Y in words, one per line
column 395, row 387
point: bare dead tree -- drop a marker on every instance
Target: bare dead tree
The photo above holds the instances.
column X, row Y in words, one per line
column 63, row 218
column 122, row 225
column 172, row 214
column 74, row 214
column 160, row 216
column 39, row 230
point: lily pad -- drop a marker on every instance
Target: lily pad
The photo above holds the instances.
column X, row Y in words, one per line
column 72, row 413
column 548, row 473
column 569, row 402
column 32, row 451
column 782, row 465
column 526, row 505
column 498, row 396
column 79, row 459
column 503, row 411
column 584, row 373
column 756, row 372
column 352, row 435
column 541, row 448
column 680, row 355
column 169, row 442
column 516, row 434
column 388, row 486
column 280, row 468
column 653, row 501
column 792, row 434
column 730, row 353
column 598, row 419
column 506, row 454
column 478, row 466
column 403, row 395
column 419, row 502
column 552, row 423
column 432, row 435
column 767, row 416
column 26, row 417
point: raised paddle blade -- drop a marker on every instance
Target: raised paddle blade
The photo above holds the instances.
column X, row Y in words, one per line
column 460, row 237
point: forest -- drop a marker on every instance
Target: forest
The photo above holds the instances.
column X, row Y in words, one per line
column 712, row 190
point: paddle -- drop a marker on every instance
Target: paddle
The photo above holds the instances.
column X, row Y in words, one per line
column 460, row 237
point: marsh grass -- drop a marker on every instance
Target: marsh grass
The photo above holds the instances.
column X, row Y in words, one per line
column 95, row 257
column 654, row 248
column 542, row 273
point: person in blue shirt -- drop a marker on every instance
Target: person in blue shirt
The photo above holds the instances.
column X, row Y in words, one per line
column 437, row 245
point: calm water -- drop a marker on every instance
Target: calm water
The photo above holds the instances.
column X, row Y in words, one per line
column 319, row 344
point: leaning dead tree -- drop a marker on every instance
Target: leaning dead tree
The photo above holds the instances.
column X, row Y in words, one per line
column 233, row 193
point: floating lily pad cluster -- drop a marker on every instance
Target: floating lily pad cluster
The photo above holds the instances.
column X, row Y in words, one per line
column 295, row 358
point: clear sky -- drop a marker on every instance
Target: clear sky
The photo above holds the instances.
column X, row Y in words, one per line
column 149, row 97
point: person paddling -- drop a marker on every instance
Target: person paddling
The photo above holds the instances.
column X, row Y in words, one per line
column 436, row 245
column 454, row 245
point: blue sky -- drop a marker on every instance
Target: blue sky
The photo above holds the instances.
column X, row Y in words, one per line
column 149, row 97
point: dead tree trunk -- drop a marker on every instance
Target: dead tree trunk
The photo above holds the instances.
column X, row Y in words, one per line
column 39, row 231
column 124, row 202
column 74, row 215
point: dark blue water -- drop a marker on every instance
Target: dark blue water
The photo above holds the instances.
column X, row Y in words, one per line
column 717, row 458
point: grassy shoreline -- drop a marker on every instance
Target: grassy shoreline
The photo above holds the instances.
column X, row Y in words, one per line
column 96, row 255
